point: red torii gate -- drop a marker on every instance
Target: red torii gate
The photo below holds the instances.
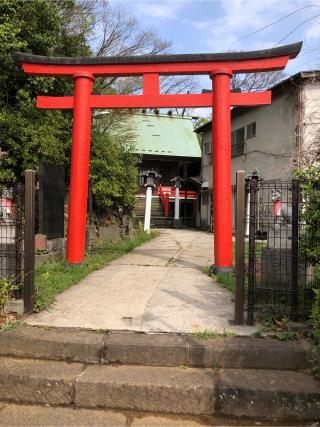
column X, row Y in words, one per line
column 219, row 66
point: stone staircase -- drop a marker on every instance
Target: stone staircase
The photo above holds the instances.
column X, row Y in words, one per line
column 158, row 220
column 159, row 373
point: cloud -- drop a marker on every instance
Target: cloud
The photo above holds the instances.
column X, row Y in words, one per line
column 241, row 17
column 198, row 25
column 313, row 33
column 167, row 9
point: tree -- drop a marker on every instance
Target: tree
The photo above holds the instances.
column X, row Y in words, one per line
column 117, row 33
column 254, row 82
column 29, row 135
column 113, row 166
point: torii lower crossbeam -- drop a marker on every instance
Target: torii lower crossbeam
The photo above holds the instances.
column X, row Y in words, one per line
column 220, row 67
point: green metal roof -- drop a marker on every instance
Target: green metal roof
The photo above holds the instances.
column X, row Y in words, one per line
column 164, row 135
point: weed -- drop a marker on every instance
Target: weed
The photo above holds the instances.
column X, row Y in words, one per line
column 266, row 321
column 12, row 323
column 275, row 326
column 315, row 323
column 206, row 334
column 226, row 280
column 287, row 336
column 6, row 292
column 207, row 271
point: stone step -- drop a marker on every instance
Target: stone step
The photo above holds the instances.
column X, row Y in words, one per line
column 256, row 393
column 38, row 381
column 154, row 214
column 153, row 349
column 147, row 388
column 142, row 388
column 176, row 390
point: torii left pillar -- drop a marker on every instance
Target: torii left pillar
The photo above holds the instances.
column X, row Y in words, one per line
column 80, row 158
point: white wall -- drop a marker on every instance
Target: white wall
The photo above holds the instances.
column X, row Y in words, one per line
column 310, row 129
column 272, row 149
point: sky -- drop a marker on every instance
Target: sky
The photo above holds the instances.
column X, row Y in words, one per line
column 195, row 26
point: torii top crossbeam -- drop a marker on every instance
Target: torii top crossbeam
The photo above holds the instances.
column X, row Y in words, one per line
column 219, row 66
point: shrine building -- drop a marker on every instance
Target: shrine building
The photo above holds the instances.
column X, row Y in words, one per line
column 168, row 145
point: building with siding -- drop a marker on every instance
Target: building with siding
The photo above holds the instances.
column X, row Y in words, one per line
column 275, row 139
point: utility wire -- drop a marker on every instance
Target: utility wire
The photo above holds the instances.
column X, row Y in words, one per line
column 297, row 27
column 273, row 23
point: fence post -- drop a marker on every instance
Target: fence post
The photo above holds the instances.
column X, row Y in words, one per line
column 29, row 231
column 253, row 187
column 19, row 233
column 295, row 249
column 90, row 203
column 239, row 250
column 166, row 210
column 185, row 209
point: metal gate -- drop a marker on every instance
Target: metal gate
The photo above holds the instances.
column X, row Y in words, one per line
column 272, row 273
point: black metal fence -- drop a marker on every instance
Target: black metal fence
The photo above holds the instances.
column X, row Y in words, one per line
column 17, row 234
column 277, row 279
column 11, row 235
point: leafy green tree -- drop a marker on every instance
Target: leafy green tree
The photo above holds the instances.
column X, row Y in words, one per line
column 27, row 134
column 310, row 243
column 113, row 166
column 310, row 179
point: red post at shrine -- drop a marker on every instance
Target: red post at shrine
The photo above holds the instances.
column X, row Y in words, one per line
column 221, row 168
column 80, row 159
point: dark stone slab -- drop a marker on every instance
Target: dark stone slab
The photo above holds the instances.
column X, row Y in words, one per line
column 38, row 381
column 292, row 50
column 52, row 343
column 144, row 349
column 241, row 352
column 277, row 394
column 147, row 388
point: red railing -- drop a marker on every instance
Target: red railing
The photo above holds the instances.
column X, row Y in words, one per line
column 165, row 200
column 183, row 194
column 167, row 193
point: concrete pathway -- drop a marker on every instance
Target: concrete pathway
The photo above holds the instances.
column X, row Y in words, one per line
column 159, row 286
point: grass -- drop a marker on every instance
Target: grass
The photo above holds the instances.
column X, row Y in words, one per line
column 12, row 323
column 206, row 334
column 226, row 280
column 54, row 277
column 258, row 248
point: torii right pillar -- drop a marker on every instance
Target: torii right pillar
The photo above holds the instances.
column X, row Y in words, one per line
column 221, row 170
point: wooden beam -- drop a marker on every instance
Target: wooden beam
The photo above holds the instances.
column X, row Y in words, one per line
column 153, row 101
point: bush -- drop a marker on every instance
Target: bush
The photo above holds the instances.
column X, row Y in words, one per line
column 6, row 292
column 310, row 243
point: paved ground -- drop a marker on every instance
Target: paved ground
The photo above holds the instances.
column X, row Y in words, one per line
column 159, row 286
column 34, row 415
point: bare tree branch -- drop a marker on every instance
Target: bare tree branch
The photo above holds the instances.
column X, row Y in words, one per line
column 255, row 82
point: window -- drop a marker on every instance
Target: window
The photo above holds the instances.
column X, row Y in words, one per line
column 237, row 142
column 206, row 147
column 251, row 130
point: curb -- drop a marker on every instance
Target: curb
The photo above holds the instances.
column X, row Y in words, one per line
column 153, row 349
